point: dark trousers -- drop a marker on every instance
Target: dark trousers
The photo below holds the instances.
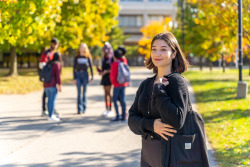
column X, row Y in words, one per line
column 151, row 153
column 44, row 101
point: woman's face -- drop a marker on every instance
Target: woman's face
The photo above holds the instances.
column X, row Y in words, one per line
column 81, row 48
column 161, row 53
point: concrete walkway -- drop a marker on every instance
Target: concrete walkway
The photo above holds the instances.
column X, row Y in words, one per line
column 26, row 139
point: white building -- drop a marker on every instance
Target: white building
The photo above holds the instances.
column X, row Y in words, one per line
column 134, row 14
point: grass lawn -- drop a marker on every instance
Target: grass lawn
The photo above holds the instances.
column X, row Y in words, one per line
column 27, row 81
column 227, row 119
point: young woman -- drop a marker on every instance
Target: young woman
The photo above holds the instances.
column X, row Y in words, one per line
column 160, row 109
column 107, row 60
column 82, row 62
column 51, row 87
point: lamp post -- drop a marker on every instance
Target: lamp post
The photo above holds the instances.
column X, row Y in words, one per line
column 242, row 86
column 182, row 25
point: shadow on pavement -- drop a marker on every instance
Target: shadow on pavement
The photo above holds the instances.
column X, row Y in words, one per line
column 92, row 159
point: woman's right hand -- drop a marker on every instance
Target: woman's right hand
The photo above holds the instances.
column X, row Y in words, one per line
column 163, row 129
column 74, row 82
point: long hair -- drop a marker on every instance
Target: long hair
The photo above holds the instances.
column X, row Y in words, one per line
column 87, row 53
column 179, row 63
column 109, row 50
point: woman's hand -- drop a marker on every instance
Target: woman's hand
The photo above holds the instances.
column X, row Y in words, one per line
column 104, row 72
column 162, row 80
column 59, row 88
column 74, row 82
column 163, row 129
column 91, row 80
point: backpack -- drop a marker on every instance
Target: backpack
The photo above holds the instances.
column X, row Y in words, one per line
column 123, row 73
column 45, row 75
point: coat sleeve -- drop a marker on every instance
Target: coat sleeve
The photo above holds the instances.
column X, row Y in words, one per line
column 137, row 123
column 57, row 74
column 91, row 67
column 113, row 72
column 172, row 109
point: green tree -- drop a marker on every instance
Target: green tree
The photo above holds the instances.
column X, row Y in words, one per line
column 217, row 20
column 24, row 22
column 86, row 21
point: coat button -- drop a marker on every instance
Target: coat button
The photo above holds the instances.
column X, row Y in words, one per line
column 152, row 137
column 148, row 112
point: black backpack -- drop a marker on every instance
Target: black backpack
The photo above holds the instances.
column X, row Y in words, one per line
column 45, row 75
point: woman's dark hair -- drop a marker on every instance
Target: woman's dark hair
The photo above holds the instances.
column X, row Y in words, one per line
column 123, row 49
column 179, row 63
column 118, row 54
column 54, row 40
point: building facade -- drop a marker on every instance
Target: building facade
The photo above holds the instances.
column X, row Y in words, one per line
column 134, row 14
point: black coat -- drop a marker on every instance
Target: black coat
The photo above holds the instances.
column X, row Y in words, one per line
column 171, row 104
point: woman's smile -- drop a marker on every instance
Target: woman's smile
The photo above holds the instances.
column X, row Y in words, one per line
column 157, row 59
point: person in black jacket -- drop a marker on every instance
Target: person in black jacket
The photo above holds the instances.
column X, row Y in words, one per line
column 107, row 60
column 82, row 62
column 161, row 104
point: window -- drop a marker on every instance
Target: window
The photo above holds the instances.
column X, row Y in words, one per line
column 130, row 21
column 155, row 17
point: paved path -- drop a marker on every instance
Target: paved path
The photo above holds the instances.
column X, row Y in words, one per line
column 26, row 139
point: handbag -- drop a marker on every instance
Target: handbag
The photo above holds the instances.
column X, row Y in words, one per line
column 188, row 147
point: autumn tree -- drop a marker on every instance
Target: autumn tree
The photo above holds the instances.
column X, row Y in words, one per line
column 23, row 23
column 218, row 23
column 86, row 21
column 149, row 31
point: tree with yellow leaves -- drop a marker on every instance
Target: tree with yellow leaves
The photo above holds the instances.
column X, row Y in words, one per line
column 149, row 31
column 218, row 22
column 23, row 23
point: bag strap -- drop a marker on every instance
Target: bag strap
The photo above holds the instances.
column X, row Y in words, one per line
column 192, row 114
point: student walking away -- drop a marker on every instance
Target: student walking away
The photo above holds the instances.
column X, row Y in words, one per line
column 53, row 86
column 82, row 62
column 172, row 133
column 46, row 57
column 119, row 77
column 107, row 60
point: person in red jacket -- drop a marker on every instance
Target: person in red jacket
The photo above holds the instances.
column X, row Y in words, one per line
column 52, row 87
column 46, row 57
column 119, row 89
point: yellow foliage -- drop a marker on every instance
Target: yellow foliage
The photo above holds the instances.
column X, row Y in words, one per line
column 149, row 31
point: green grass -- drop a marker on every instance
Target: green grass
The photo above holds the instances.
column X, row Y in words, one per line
column 27, row 81
column 227, row 119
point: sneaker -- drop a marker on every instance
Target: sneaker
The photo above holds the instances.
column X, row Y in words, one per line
column 56, row 113
column 110, row 114
column 44, row 113
column 123, row 119
column 115, row 119
column 105, row 113
column 53, row 118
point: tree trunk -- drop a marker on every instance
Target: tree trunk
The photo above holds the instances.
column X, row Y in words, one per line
column 201, row 65
column 211, row 65
column 223, row 63
column 13, row 62
column 28, row 60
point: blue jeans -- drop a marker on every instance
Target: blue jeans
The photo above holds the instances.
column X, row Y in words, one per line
column 51, row 93
column 119, row 94
column 82, row 79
